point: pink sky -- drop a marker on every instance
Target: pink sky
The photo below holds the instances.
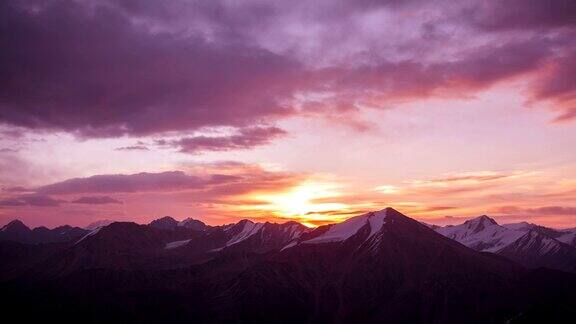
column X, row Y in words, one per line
column 276, row 111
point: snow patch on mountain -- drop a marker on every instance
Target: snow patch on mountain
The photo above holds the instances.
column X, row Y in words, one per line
column 342, row 231
column 94, row 232
column 175, row 244
column 482, row 233
column 294, row 231
column 291, row 244
column 98, row 224
column 568, row 237
column 249, row 229
column 548, row 245
column 534, row 242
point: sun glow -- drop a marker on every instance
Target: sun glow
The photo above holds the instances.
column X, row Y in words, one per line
column 308, row 203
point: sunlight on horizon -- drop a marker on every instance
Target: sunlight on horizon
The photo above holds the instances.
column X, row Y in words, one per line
column 304, row 203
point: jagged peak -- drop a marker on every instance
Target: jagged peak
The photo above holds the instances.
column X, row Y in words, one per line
column 121, row 225
column 292, row 223
column 342, row 231
column 190, row 219
column 165, row 218
column 193, row 224
column 239, row 225
column 15, row 224
column 483, row 219
column 165, row 222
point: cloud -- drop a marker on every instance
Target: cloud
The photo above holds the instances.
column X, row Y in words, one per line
column 469, row 178
column 132, row 148
column 16, row 189
column 140, row 182
column 207, row 180
column 96, row 200
column 437, row 208
column 31, row 200
column 540, row 211
column 8, row 150
column 523, row 14
column 558, row 85
column 247, row 138
column 128, row 79
column 185, row 66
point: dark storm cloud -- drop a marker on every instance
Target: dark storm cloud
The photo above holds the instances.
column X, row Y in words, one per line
column 476, row 69
column 112, row 68
column 523, row 14
column 91, row 71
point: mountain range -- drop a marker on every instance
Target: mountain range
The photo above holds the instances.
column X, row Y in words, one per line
column 528, row 244
column 377, row 267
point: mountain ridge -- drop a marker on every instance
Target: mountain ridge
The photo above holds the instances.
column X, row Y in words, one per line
column 379, row 266
column 529, row 244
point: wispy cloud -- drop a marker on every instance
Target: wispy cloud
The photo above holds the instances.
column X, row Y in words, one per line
column 96, row 200
column 31, row 200
column 539, row 211
column 132, row 148
column 246, row 138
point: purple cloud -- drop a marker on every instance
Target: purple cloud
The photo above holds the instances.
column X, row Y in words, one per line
column 547, row 210
column 132, row 148
column 16, row 189
column 558, row 85
column 204, row 182
column 523, row 14
column 8, row 150
column 101, row 75
column 171, row 180
column 115, row 68
column 31, row 200
column 247, row 138
column 96, row 200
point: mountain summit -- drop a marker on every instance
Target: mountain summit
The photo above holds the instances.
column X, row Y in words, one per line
column 528, row 244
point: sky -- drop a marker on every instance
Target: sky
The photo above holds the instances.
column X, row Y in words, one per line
column 312, row 111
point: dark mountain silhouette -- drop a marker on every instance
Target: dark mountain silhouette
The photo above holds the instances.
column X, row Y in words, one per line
column 166, row 222
column 18, row 232
column 377, row 267
column 193, row 224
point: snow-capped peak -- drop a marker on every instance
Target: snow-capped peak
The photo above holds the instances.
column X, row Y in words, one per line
column 481, row 233
column 342, row 231
column 248, row 228
column 480, row 222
